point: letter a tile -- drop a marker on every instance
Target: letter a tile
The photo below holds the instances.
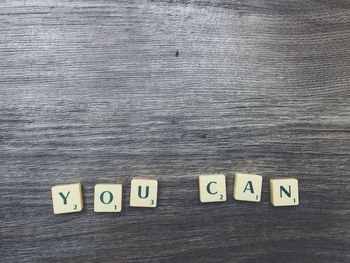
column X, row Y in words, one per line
column 67, row 198
column 143, row 193
column 212, row 188
column 247, row 187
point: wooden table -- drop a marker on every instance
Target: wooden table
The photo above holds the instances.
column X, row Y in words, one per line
column 106, row 91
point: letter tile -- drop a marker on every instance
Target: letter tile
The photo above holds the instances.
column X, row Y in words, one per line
column 143, row 193
column 284, row 192
column 247, row 187
column 212, row 188
column 67, row 198
column 108, row 198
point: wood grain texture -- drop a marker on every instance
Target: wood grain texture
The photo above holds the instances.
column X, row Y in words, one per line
column 106, row 91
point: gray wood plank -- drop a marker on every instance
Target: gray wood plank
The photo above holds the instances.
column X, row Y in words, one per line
column 105, row 91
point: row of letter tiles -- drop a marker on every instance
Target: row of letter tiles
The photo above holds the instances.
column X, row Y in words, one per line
column 212, row 188
column 107, row 198
column 247, row 187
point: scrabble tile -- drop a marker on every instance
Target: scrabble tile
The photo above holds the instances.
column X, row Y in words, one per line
column 284, row 192
column 212, row 188
column 143, row 193
column 108, row 198
column 247, row 187
column 67, row 198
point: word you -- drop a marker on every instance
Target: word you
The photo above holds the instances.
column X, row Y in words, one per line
column 143, row 193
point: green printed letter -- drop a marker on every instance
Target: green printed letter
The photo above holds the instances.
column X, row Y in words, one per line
column 110, row 197
column 208, row 188
column 249, row 187
column 140, row 192
column 288, row 193
column 64, row 197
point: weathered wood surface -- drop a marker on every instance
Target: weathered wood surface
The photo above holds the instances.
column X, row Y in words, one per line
column 105, row 91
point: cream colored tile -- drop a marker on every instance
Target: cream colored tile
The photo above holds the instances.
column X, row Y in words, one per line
column 247, row 187
column 284, row 192
column 108, row 198
column 212, row 188
column 143, row 193
column 67, row 198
